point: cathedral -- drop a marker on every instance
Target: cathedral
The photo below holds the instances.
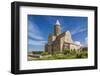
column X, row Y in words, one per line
column 59, row 41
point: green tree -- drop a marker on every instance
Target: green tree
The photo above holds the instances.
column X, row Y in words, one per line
column 36, row 52
column 66, row 51
column 73, row 52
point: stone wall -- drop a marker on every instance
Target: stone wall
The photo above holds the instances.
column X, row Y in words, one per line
column 58, row 41
column 73, row 46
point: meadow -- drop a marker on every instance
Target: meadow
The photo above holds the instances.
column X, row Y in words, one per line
column 66, row 54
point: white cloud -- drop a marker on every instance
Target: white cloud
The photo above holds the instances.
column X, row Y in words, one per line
column 34, row 31
column 33, row 42
column 78, row 30
column 63, row 28
column 78, row 43
column 36, row 47
column 35, row 36
column 86, row 41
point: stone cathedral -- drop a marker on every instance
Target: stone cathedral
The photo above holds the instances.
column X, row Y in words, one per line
column 59, row 41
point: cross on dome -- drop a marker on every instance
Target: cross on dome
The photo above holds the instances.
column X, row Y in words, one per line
column 57, row 22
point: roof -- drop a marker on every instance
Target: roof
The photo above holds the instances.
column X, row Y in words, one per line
column 57, row 22
column 71, row 43
column 63, row 34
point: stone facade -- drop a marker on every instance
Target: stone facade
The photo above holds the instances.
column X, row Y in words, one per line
column 58, row 41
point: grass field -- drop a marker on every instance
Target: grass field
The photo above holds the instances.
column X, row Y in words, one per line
column 67, row 54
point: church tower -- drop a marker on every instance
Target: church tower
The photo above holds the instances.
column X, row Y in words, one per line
column 57, row 29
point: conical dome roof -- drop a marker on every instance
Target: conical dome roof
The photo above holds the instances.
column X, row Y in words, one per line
column 57, row 22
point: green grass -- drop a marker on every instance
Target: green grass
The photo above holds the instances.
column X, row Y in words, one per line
column 65, row 55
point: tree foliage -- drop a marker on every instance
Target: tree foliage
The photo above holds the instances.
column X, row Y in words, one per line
column 66, row 51
column 44, row 53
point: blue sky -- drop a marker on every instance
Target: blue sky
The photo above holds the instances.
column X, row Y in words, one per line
column 39, row 27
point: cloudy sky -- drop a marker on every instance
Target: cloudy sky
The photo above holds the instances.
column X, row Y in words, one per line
column 39, row 27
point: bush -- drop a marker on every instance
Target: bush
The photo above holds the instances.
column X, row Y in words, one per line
column 79, row 55
column 36, row 52
column 44, row 53
column 73, row 52
column 82, row 54
column 66, row 51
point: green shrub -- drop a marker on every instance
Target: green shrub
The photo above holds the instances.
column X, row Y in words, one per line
column 37, row 52
column 79, row 55
column 82, row 54
column 66, row 51
column 44, row 53
column 73, row 52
